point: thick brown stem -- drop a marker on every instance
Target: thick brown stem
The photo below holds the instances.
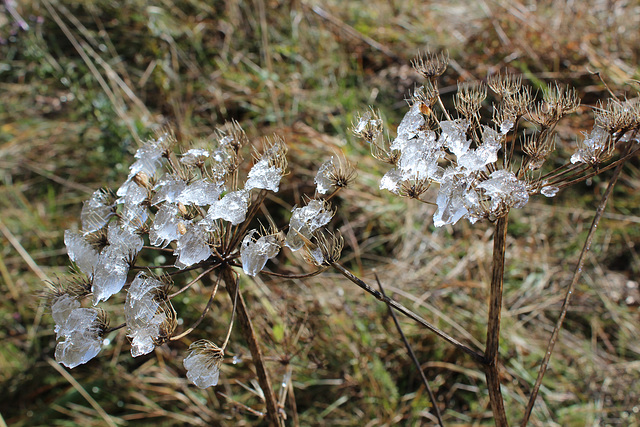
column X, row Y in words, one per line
column 254, row 347
column 493, row 328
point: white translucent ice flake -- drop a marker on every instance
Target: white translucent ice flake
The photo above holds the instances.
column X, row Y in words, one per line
column 507, row 125
column 232, row 207
column 203, row 367
column 97, row 211
column 263, row 176
column 141, row 314
column 451, row 200
column 81, row 252
column 61, row 309
column 110, row 274
column 192, row 246
column 201, row 192
column 133, row 217
column 549, row 191
column 168, row 189
column 164, row 229
column 486, row 153
column 593, row 145
column 254, row 253
column 454, row 136
column 194, row 157
column 127, row 242
column 80, row 334
column 305, row 221
column 505, row 189
column 408, row 127
column 419, row 156
column 391, row 180
column 323, row 179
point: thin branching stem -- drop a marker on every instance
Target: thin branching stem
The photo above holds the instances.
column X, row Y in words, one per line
column 294, row 276
column 194, row 281
column 492, row 371
column 233, row 315
column 115, row 328
column 569, row 293
column 204, row 313
column 415, row 360
column 402, row 309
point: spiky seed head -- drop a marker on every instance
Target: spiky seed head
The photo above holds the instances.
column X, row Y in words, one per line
column 504, row 85
column 469, row 98
column 168, row 326
column 414, row 189
column 431, row 65
column 538, row 147
column 325, row 250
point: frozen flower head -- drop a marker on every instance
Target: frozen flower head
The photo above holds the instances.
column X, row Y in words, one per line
column 149, row 316
column 203, row 363
column 477, row 170
column 79, row 331
column 190, row 211
column 334, row 174
column 324, row 250
column 305, row 221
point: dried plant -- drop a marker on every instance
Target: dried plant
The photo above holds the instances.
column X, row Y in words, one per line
column 482, row 171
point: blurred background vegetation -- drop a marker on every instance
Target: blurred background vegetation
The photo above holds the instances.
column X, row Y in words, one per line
column 81, row 83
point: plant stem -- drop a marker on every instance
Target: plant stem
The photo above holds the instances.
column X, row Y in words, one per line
column 254, row 347
column 402, row 309
column 576, row 276
column 493, row 325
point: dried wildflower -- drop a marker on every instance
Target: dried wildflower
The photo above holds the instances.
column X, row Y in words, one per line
column 269, row 168
column 431, row 65
column 538, row 147
column 469, row 98
column 325, row 250
column 305, row 221
column 505, row 86
column 334, row 173
column 255, row 252
column 203, row 363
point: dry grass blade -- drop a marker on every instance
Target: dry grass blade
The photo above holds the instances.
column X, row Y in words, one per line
column 415, row 360
column 107, row 419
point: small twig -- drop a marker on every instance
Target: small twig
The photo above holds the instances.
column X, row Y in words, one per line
column 194, row 281
column 233, row 315
column 413, row 358
column 576, row 276
column 402, row 309
column 204, row 313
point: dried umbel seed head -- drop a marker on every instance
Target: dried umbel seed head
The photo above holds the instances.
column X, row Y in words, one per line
column 232, row 135
column 335, row 173
column 506, row 85
column 168, row 326
column 413, row 189
column 325, row 251
column 431, row 65
column 538, row 147
column 368, row 126
column 203, row 363
column 618, row 116
column 469, row 98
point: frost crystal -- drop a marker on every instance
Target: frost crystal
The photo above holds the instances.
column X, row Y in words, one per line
column 505, row 189
column 194, row 157
column 419, row 156
column 232, row 207
column 192, row 246
column 142, row 315
column 203, row 364
column 305, row 221
column 80, row 332
column 323, row 179
column 263, row 176
column 168, row 189
column 594, row 144
column 110, row 274
column 80, row 252
column 201, row 193
column 549, row 191
column 97, row 211
column 486, row 153
column 451, row 200
column 255, row 253
column 454, row 136
column 391, row 180
column 409, row 127
column 165, row 226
